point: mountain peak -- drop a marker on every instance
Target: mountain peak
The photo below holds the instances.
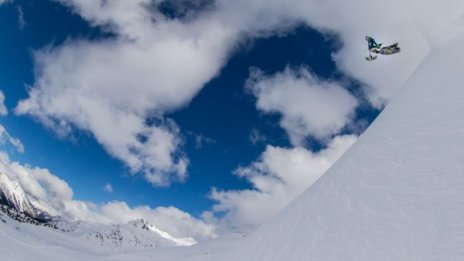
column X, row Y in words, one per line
column 143, row 224
column 13, row 195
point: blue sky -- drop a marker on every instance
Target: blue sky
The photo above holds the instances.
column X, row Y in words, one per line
column 211, row 126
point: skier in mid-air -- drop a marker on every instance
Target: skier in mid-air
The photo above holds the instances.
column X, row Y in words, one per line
column 374, row 47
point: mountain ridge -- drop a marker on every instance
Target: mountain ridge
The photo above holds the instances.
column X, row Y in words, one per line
column 138, row 233
column 13, row 195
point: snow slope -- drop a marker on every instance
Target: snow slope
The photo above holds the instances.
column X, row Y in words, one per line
column 24, row 242
column 398, row 193
column 137, row 234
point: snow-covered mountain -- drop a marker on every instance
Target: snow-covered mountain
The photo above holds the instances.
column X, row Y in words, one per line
column 142, row 224
column 137, row 234
column 12, row 194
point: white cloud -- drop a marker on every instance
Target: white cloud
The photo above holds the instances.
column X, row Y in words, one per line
column 54, row 195
column 169, row 219
column 6, row 138
column 415, row 28
column 278, row 177
column 110, row 87
column 3, row 109
column 21, row 22
column 156, row 64
column 308, row 106
column 108, row 188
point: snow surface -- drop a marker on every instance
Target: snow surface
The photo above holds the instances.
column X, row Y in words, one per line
column 24, row 242
column 177, row 241
column 397, row 194
column 137, row 234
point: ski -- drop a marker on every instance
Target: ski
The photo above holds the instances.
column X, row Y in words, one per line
column 371, row 57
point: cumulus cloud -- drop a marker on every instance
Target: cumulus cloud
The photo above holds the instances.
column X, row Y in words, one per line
column 416, row 29
column 308, row 106
column 277, row 177
column 111, row 87
column 156, row 64
column 52, row 194
column 169, row 219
